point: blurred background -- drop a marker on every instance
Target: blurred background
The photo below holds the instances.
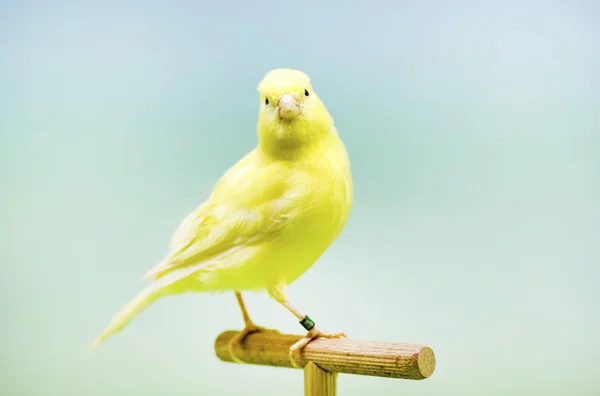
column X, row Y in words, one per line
column 474, row 134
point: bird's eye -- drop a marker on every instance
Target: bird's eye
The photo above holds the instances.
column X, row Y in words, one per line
column 266, row 101
column 305, row 92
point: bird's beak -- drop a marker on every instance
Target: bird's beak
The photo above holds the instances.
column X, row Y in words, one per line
column 288, row 106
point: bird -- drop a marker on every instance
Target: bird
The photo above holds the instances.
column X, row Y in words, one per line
column 269, row 217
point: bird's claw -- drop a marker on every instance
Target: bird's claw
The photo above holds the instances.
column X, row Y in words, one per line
column 311, row 335
column 239, row 338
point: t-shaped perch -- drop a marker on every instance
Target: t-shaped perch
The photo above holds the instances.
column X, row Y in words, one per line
column 323, row 359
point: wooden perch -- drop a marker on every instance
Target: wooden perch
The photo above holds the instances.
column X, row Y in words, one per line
column 340, row 355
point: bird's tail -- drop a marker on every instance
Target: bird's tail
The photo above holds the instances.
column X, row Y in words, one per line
column 134, row 307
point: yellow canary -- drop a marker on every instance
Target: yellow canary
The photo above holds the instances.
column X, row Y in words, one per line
column 269, row 218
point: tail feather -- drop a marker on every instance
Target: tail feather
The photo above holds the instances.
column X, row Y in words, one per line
column 166, row 284
column 156, row 269
column 159, row 287
column 134, row 307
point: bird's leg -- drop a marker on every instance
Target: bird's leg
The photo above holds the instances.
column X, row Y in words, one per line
column 313, row 332
column 278, row 292
column 249, row 328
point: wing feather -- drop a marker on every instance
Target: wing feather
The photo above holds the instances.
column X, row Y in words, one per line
column 236, row 214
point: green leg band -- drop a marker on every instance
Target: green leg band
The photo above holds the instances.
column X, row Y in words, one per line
column 307, row 323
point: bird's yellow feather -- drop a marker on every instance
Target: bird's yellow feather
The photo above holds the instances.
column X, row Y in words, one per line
column 270, row 216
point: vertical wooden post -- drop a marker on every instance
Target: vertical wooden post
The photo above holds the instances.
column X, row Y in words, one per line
column 319, row 382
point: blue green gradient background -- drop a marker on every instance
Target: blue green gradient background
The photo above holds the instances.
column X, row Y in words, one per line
column 474, row 134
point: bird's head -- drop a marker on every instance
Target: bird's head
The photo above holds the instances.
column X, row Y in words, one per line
column 291, row 114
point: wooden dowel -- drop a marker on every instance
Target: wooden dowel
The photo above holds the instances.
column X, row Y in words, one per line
column 339, row 355
column 319, row 382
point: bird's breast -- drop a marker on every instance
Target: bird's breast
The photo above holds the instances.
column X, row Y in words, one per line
column 327, row 188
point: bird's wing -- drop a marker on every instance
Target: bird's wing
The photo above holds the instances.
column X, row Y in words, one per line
column 251, row 203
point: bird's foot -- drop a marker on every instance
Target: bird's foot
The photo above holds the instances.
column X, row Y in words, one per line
column 239, row 338
column 311, row 335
